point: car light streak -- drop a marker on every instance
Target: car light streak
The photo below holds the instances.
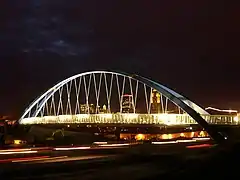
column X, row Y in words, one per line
column 71, row 148
column 199, row 146
column 113, row 145
column 14, row 150
column 202, row 139
column 66, row 159
column 19, row 159
column 41, row 159
column 100, row 143
column 186, row 140
column 167, row 142
column 18, row 152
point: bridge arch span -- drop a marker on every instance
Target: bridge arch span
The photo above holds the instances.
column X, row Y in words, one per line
column 185, row 104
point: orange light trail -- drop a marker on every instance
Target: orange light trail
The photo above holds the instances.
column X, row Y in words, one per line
column 19, row 159
column 40, row 159
column 199, row 146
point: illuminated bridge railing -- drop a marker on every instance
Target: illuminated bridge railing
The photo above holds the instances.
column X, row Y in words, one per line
column 157, row 119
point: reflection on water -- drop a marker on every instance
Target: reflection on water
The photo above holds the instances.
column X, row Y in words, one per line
column 163, row 136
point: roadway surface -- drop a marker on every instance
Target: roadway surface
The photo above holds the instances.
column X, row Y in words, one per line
column 104, row 161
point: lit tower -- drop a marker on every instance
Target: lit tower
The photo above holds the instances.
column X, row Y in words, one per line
column 155, row 101
column 127, row 104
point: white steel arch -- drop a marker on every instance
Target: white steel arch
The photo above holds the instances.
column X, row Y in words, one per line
column 162, row 89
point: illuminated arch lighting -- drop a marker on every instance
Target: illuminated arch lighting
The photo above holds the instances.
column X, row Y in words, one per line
column 188, row 106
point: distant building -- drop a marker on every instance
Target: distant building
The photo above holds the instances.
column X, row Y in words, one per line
column 155, row 101
column 85, row 109
column 103, row 109
column 127, row 104
column 6, row 120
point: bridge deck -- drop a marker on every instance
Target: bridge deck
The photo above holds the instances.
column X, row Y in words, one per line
column 131, row 118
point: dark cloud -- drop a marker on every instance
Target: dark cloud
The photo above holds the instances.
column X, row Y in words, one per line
column 190, row 46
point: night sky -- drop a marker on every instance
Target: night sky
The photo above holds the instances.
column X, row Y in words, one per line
column 190, row 46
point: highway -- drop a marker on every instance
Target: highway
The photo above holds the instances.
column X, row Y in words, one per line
column 93, row 161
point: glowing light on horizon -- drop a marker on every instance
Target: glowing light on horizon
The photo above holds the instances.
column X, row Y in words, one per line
column 222, row 110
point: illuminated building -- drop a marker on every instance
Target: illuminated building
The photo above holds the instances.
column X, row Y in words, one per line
column 127, row 104
column 103, row 109
column 158, row 136
column 155, row 102
column 6, row 119
column 85, row 109
column 140, row 137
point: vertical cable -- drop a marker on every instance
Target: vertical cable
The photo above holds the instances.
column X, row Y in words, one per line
column 51, row 106
column 146, row 98
column 106, row 88
column 68, row 99
column 110, row 94
column 161, row 96
column 37, row 106
column 54, row 106
column 97, row 90
column 89, row 86
column 77, row 91
column 131, row 89
column 136, row 94
column 119, row 95
column 47, row 108
column 60, row 105
column 166, row 105
column 29, row 113
column 42, row 111
column 122, row 94
column 87, row 90
column 69, row 89
column 150, row 99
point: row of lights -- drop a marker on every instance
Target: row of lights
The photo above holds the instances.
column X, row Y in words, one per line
column 131, row 118
column 140, row 137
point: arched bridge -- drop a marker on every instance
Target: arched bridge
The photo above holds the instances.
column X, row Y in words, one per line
column 117, row 98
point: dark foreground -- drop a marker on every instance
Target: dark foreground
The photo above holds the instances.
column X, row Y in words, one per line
column 137, row 162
